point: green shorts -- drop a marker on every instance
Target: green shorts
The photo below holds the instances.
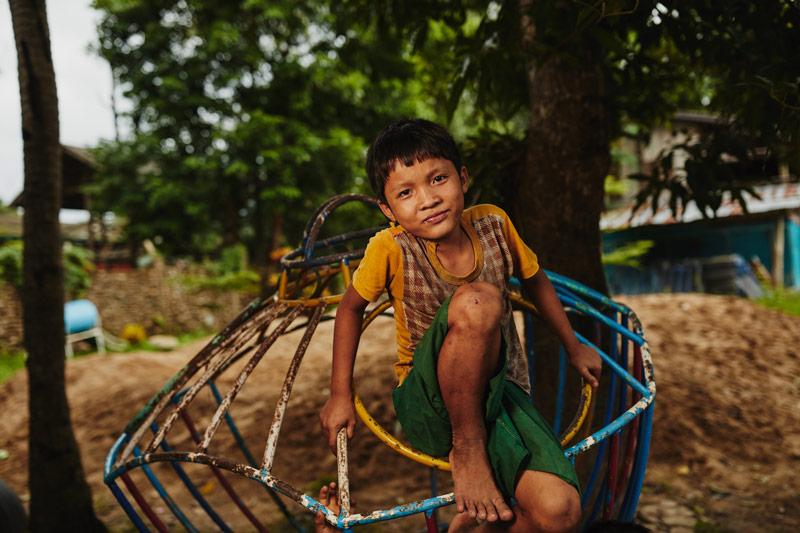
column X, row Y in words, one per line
column 519, row 438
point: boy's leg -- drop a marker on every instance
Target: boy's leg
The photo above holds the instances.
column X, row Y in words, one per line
column 545, row 503
column 468, row 357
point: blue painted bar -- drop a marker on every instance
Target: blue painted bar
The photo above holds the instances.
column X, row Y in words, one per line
column 563, row 292
column 583, row 289
column 616, row 368
column 644, row 451
column 591, row 311
column 148, row 472
column 127, row 507
column 605, row 432
column 184, row 477
column 112, row 453
column 596, row 467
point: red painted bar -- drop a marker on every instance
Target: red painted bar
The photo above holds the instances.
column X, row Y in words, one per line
column 633, row 433
column 431, row 522
column 159, row 525
column 224, row 482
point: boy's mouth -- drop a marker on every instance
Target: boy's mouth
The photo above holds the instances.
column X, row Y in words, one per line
column 436, row 217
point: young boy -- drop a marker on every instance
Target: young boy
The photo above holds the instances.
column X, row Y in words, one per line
column 463, row 376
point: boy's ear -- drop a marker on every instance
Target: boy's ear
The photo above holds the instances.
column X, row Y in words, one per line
column 464, row 177
column 387, row 211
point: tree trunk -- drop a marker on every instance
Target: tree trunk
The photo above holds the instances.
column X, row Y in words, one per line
column 60, row 497
column 558, row 194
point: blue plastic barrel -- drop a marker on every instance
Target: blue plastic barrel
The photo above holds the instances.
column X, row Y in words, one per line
column 79, row 315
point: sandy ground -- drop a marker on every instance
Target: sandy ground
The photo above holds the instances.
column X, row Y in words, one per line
column 726, row 441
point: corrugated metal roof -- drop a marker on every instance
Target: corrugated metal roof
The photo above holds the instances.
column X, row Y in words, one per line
column 773, row 197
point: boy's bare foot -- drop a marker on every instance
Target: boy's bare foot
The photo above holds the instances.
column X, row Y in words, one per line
column 328, row 496
column 462, row 522
column 476, row 493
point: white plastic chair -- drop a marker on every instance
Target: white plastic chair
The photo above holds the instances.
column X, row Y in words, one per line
column 82, row 321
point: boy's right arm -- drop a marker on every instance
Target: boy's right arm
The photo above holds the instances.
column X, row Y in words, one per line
column 339, row 410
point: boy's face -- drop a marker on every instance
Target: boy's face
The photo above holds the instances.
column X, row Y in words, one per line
column 427, row 198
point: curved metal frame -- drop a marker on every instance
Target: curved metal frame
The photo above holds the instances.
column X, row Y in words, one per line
column 630, row 404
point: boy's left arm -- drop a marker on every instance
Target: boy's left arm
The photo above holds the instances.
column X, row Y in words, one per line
column 582, row 357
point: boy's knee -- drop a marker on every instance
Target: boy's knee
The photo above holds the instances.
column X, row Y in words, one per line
column 477, row 305
column 558, row 512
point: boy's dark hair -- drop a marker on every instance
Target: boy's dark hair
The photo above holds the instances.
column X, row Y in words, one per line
column 410, row 141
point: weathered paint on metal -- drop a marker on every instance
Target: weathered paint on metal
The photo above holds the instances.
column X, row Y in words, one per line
column 286, row 390
column 225, row 404
column 212, row 370
column 580, row 415
column 309, row 275
column 159, row 402
column 342, row 474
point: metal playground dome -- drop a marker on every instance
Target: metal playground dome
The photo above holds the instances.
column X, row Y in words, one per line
column 610, row 433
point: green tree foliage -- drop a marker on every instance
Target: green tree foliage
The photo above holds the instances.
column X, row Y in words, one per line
column 78, row 267
column 246, row 115
column 11, row 264
column 737, row 61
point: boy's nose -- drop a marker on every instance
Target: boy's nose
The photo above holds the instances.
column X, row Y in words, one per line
column 428, row 198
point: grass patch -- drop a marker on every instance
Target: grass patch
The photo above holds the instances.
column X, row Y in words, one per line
column 785, row 300
column 10, row 364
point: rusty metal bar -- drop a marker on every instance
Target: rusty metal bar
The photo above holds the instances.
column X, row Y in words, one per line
column 159, row 402
column 209, row 374
column 286, row 390
column 344, row 480
column 234, row 496
column 226, row 402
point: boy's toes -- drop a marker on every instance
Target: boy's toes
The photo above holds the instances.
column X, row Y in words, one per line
column 504, row 512
column 481, row 510
column 327, row 497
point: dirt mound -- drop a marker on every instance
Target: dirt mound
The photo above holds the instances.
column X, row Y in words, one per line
column 726, row 438
column 726, row 435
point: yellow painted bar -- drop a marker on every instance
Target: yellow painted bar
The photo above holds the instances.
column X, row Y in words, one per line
column 346, row 275
column 586, row 392
column 389, row 439
column 375, row 313
column 282, row 284
column 521, row 303
column 329, row 300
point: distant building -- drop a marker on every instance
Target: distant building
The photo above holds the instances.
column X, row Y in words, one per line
column 687, row 246
column 77, row 168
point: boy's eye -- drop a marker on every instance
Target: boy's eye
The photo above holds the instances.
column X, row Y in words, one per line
column 404, row 192
column 437, row 179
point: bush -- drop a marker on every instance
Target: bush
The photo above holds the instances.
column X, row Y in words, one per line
column 230, row 272
column 11, row 264
column 77, row 261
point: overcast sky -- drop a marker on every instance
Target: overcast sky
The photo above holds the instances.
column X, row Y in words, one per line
column 83, row 82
